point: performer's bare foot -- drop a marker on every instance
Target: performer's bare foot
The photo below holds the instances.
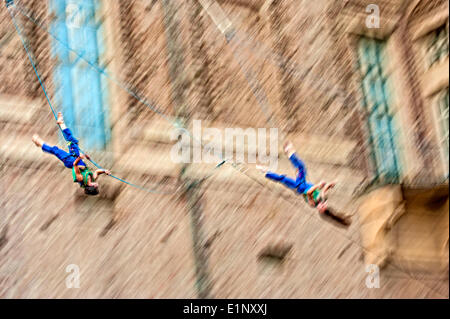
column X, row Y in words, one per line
column 60, row 118
column 37, row 140
column 262, row 169
column 289, row 148
column 60, row 121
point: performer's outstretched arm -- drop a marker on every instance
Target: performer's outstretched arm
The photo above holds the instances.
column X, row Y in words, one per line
column 101, row 171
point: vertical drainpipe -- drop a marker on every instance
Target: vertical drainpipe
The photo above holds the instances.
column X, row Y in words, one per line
column 192, row 192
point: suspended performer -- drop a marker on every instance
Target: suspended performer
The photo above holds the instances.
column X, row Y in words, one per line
column 316, row 195
column 73, row 159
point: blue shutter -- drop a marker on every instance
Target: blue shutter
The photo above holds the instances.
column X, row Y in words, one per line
column 376, row 101
column 79, row 88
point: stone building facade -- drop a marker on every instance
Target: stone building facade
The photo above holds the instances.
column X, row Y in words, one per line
column 404, row 207
column 301, row 66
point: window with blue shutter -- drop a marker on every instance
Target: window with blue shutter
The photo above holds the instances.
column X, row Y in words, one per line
column 381, row 124
column 79, row 89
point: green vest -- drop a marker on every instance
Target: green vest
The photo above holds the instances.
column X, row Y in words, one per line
column 85, row 172
column 316, row 196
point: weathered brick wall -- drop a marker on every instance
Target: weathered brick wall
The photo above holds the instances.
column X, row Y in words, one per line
column 207, row 240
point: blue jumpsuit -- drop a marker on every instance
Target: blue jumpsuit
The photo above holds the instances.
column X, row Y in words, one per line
column 65, row 157
column 299, row 183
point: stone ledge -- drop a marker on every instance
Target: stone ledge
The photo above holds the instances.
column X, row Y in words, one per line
column 323, row 149
column 424, row 26
column 17, row 109
column 355, row 24
column 20, row 150
column 436, row 78
column 158, row 163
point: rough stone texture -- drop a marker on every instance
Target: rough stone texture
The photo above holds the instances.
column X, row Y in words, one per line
column 206, row 239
